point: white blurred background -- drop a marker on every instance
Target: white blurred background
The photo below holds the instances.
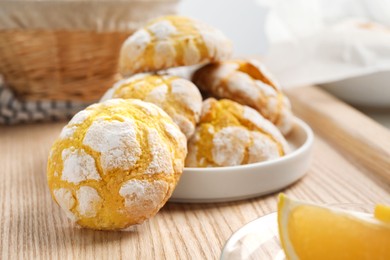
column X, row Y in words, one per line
column 342, row 45
column 241, row 20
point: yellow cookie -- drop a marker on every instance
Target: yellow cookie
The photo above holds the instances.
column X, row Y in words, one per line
column 231, row 134
column 248, row 83
column 179, row 98
column 172, row 41
column 116, row 164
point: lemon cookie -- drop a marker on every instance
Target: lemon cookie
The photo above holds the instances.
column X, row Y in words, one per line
column 172, row 41
column 179, row 98
column 248, row 83
column 116, row 163
column 231, row 134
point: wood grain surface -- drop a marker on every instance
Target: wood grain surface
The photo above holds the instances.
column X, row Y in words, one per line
column 350, row 164
column 347, row 128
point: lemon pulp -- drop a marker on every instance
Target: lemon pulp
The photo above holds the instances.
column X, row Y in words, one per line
column 382, row 212
column 313, row 232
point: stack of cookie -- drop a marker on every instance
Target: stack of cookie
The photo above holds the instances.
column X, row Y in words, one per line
column 117, row 162
column 245, row 126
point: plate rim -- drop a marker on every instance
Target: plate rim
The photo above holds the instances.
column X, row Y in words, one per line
column 300, row 157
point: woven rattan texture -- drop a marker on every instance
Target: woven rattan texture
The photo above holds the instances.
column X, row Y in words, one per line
column 59, row 65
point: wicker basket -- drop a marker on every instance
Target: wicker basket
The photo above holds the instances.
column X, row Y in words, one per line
column 62, row 63
column 59, row 65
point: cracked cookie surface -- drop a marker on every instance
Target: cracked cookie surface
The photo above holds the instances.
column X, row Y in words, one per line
column 249, row 83
column 231, row 134
column 178, row 97
column 172, row 41
column 116, row 163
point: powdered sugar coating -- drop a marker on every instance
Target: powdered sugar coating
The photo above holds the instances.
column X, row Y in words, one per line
column 164, row 54
column 178, row 97
column 175, row 133
column 117, row 141
column 224, row 71
column 162, row 30
column 158, row 95
column 181, row 143
column 214, row 39
column 80, row 117
column 67, row 132
column 230, row 134
column 191, row 159
column 88, row 199
column 110, row 93
column 255, row 118
column 229, row 145
column 161, row 156
column 137, row 86
column 113, row 104
column 142, row 197
column 191, row 53
column 188, row 94
column 266, row 89
column 185, row 125
column 78, row 166
column 66, row 201
column 241, row 83
column 149, row 109
column 206, row 106
column 264, row 70
column 248, row 83
column 120, row 140
column 271, row 109
column 172, row 41
column 137, row 43
column 262, row 149
column 284, row 123
column 133, row 48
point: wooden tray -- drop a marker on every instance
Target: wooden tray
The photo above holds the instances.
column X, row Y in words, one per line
column 351, row 164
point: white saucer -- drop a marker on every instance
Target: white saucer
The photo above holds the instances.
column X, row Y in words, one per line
column 370, row 90
column 221, row 184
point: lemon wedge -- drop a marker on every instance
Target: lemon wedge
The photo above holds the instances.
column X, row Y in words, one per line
column 382, row 212
column 309, row 231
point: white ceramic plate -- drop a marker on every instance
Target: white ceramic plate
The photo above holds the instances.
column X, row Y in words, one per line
column 221, row 184
column 371, row 90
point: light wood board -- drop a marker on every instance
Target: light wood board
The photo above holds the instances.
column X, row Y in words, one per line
column 350, row 164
